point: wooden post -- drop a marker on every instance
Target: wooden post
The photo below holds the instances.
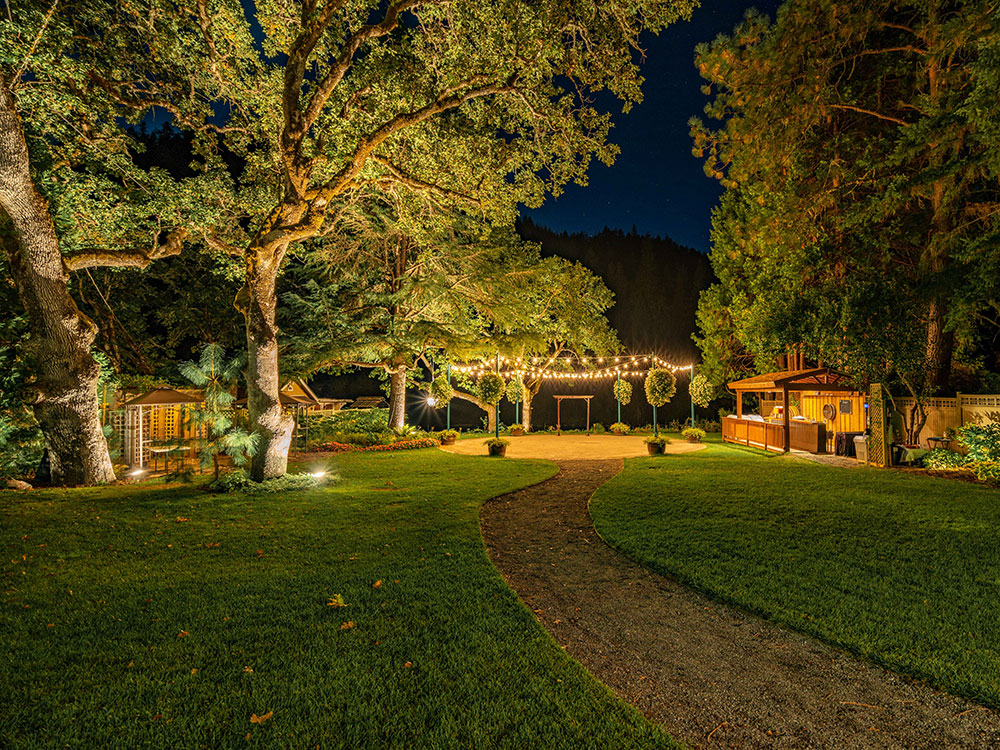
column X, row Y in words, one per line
column 588, row 417
column 786, row 412
column 739, row 404
column 558, row 417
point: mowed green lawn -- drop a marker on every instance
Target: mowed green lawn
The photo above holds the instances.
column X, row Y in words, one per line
column 164, row 616
column 902, row 569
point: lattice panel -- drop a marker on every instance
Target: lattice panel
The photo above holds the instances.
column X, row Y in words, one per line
column 878, row 438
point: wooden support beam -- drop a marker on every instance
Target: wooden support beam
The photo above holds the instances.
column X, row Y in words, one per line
column 787, row 418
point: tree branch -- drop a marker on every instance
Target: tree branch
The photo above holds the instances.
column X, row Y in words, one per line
column 343, row 62
column 126, row 258
column 418, row 185
column 879, row 115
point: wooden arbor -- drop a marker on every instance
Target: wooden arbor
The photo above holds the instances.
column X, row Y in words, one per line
column 559, row 400
column 815, row 379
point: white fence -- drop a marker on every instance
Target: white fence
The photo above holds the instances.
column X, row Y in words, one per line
column 943, row 413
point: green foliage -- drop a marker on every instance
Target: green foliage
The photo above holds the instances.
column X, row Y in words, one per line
column 240, row 481
column 324, row 426
column 597, row 428
column 441, row 391
column 987, row 471
column 213, row 418
column 515, row 390
column 452, row 434
column 693, row 434
column 620, row 427
column 21, row 443
column 701, row 390
column 661, row 385
column 982, row 441
column 490, row 388
column 847, row 224
column 622, row 390
column 942, row 458
column 659, row 440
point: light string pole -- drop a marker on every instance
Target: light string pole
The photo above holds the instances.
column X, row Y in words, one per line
column 447, row 408
column 496, row 421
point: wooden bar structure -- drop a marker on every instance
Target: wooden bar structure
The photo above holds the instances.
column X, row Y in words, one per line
column 559, row 400
column 800, row 433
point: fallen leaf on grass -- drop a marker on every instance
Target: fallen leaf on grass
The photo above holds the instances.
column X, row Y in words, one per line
column 407, row 665
column 255, row 719
column 347, row 625
column 377, row 585
column 337, row 600
column 157, row 717
column 182, row 634
column 182, row 520
column 194, row 670
column 248, row 669
column 260, row 553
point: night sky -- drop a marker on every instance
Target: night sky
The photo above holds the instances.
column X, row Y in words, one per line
column 656, row 184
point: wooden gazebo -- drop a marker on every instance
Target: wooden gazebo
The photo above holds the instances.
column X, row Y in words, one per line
column 154, row 425
column 800, row 432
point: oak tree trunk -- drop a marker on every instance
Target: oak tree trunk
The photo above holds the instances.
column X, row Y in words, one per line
column 65, row 385
column 258, row 302
column 526, row 413
column 397, row 398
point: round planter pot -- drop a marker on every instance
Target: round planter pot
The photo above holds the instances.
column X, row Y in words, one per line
column 655, row 449
column 448, row 441
column 618, row 432
column 693, row 440
column 500, row 450
column 516, row 431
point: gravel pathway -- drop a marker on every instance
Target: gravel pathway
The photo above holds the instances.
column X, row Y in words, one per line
column 713, row 676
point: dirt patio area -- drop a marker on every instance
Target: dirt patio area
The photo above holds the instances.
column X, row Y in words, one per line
column 571, row 447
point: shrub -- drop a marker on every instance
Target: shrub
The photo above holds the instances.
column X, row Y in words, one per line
column 597, row 428
column 240, row 481
column 490, row 387
column 983, row 442
column 693, row 434
column 661, row 440
column 619, row 427
column 405, row 445
column 987, row 471
column 21, row 444
column 348, row 421
column 701, row 390
column 623, row 391
column 497, row 442
column 448, row 434
column 661, row 385
column 942, row 458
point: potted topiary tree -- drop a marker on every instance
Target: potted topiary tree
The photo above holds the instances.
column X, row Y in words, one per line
column 441, row 392
column 623, row 395
column 491, row 387
column 693, row 434
column 497, row 446
column 661, row 385
column 656, row 444
column 448, row 437
column 515, row 394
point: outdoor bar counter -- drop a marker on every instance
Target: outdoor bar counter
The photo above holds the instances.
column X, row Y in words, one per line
column 754, row 431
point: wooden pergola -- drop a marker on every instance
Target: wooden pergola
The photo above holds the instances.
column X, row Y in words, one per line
column 559, row 400
column 815, row 379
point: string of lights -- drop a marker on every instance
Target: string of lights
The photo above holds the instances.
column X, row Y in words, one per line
column 604, row 367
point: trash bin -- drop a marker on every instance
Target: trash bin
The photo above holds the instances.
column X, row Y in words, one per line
column 861, row 448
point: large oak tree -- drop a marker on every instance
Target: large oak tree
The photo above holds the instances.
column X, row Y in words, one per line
column 72, row 198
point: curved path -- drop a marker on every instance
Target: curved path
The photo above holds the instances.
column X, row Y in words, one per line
column 713, row 676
